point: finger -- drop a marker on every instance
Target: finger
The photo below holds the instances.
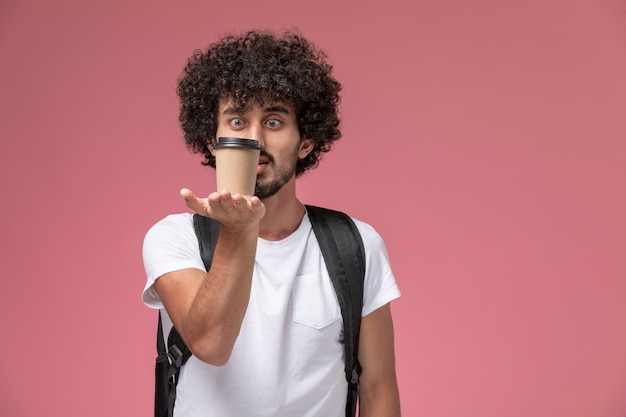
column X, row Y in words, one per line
column 190, row 198
column 186, row 193
column 241, row 204
column 257, row 206
column 226, row 201
column 215, row 196
column 215, row 201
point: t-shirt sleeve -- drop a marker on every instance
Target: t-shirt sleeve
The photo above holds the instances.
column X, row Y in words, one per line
column 170, row 245
column 380, row 285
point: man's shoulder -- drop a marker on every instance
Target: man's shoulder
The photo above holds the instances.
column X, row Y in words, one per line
column 174, row 220
column 368, row 233
column 173, row 224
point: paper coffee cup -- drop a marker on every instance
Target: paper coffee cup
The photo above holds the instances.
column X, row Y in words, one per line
column 236, row 162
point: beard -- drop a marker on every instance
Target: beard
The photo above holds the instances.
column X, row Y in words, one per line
column 266, row 189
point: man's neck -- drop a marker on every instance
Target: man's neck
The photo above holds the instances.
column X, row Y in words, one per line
column 283, row 214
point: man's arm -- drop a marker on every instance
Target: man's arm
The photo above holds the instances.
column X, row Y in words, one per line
column 378, row 389
column 208, row 309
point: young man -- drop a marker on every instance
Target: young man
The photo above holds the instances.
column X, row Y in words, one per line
column 264, row 324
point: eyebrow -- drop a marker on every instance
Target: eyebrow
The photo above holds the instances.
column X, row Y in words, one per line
column 276, row 109
column 271, row 109
column 230, row 111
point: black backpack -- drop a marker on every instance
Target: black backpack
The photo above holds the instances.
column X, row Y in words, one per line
column 344, row 255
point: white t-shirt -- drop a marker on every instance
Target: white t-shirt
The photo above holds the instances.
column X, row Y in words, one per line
column 288, row 358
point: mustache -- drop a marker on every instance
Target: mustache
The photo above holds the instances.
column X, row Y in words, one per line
column 268, row 156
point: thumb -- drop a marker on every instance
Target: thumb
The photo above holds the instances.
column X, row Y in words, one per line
column 190, row 198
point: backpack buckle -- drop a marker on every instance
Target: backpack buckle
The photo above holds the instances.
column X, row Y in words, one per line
column 355, row 377
column 175, row 355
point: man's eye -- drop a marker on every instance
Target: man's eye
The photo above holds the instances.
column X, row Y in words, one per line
column 273, row 123
column 236, row 122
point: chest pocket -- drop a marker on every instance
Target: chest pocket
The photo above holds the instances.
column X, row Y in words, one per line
column 314, row 301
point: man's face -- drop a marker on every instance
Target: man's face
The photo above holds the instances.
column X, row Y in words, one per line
column 275, row 127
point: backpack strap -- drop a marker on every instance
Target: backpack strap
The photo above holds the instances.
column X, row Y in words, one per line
column 207, row 231
column 161, row 391
column 168, row 364
column 344, row 255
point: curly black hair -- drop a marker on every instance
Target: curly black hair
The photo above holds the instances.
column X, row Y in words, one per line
column 258, row 67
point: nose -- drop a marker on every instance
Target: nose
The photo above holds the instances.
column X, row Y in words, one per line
column 256, row 132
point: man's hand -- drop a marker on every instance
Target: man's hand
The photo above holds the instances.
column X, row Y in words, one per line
column 234, row 212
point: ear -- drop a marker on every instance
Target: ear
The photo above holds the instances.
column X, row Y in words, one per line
column 306, row 146
column 211, row 146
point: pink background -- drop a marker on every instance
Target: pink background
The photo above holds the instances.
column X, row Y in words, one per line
column 484, row 140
